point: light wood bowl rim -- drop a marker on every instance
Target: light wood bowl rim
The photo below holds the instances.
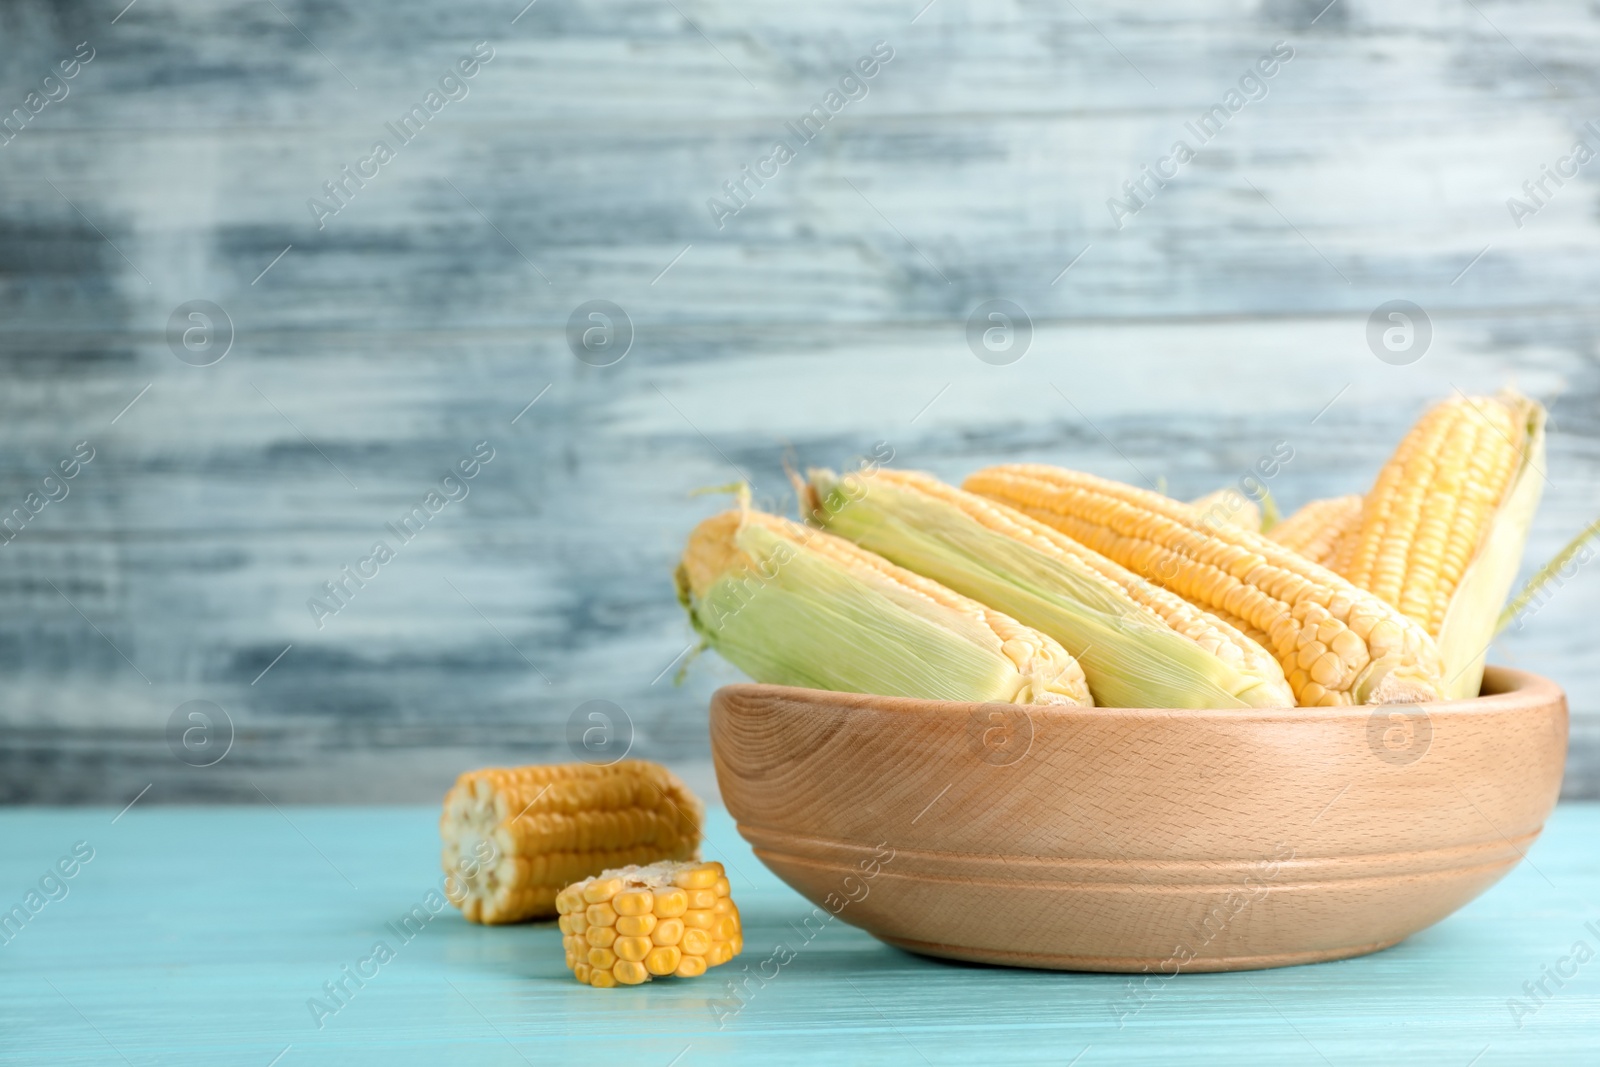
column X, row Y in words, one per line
column 1512, row 689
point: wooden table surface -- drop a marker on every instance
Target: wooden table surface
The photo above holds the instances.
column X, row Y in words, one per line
column 200, row 935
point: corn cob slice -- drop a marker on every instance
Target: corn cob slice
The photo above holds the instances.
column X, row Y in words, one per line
column 627, row 926
column 790, row 605
column 1140, row 646
column 1336, row 643
column 1443, row 529
column 513, row 837
column 1317, row 529
column 1230, row 506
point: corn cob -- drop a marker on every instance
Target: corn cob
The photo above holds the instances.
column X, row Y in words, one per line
column 627, row 926
column 513, row 837
column 1442, row 530
column 1230, row 506
column 1315, row 531
column 790, row 605
column 1139, row 645
column 1336, row 643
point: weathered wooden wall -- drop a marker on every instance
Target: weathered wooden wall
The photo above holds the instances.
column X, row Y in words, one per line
column 826, row 316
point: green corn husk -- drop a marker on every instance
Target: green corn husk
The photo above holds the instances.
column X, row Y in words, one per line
column 1473, row 616
column 1140, row 646
column 790, row 605
column 1548, row 575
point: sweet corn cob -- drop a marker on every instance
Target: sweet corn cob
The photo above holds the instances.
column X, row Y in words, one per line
column 513, row 837
column 1442, row 531
column 1336, row 643
column 1230, row 506
column 1316, row 530
column 630, row 925
column 1140, row 646
column 790, row 605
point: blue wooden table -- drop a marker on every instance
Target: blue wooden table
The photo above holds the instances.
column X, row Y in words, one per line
column 201, row 935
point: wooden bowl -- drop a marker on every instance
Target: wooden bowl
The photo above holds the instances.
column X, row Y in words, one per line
column 1113, row 839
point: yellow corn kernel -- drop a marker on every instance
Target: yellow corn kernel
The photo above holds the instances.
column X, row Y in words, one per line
column 668, row 932
column 701, row 878
column 630, row 972
column 635, row 925
column 633, row 902
column 515, row 837
column 670, row 903
column 1302, row 608
column 627, row 941
column 580, row 971
column 600, row 891
column 632, row 948
column 663, row 960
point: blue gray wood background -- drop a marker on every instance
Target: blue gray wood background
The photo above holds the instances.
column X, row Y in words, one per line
column 829, row 314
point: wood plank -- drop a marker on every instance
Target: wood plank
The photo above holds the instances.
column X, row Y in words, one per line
column 826, row 316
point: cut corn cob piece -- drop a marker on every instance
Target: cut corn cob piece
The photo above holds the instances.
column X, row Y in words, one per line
column 1316, row 530
column 513, row 837
column 1337, row 644
column 1140, row 646
column 1230, row 506
column 791, row 605
column 1443, row 529
column 627, row 926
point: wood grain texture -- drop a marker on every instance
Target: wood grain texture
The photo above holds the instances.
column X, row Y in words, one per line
column 1140, row 840
column 197, row 936
column 1228, row 314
